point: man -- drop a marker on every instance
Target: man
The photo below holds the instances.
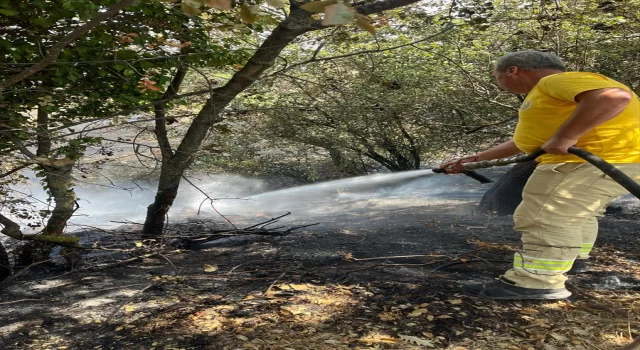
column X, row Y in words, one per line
column 564, row 196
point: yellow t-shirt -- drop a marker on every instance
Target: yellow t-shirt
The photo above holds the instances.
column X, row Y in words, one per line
column 551, row 103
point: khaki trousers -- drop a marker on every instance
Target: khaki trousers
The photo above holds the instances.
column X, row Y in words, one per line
column 558, row 220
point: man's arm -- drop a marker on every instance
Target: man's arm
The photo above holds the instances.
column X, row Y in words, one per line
column 594, row 108
column 503, row 150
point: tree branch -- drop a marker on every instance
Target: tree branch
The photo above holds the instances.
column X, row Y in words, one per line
column 56, row 49
column 16, row 169
column 44, row 140
column 18, row 143
column 160, row 113
column 314, row 59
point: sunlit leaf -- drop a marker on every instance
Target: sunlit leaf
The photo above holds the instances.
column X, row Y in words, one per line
column 189, row 10
column 338, row 14
column 276, row 3
column 247, row 14
column 219, row 4
column 363, row 22
column 317, row 6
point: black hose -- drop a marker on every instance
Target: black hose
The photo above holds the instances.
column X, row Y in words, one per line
column 472, row 174
column 613, row 172
column 618, row 176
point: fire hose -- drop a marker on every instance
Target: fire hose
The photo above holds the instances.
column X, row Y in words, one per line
column 618, row 176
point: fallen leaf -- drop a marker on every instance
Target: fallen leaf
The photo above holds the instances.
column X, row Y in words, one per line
column 529, row 311
column 299, row 286
column 582, row 332
column 455, row 301
column 242, row 337
column 387, row 316
column 416, row 340
column 444, row 316
column 209, row 268
column 417, row 312
column 559, row 337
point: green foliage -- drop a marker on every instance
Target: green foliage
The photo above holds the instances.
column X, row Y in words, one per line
column 423, row 101
column 124, row 62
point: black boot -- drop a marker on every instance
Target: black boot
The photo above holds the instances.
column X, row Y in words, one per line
column 503, row 289
column 579, row 266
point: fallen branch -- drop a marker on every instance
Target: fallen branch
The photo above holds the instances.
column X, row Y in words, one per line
column 469, row 262
column 396, row 257
column 22, row 271
column 12, row 230
column 192, row 241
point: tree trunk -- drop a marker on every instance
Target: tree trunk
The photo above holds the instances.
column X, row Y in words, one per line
column 506, row 194
column 298, row 23
column 5, row 268
column 167, row 191
column 61, row 188
column 58, row 181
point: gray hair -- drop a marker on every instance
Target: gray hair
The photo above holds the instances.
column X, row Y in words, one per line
column 530, row 60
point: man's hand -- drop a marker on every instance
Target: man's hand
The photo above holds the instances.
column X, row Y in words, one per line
column 455, row 166
column 558, row 145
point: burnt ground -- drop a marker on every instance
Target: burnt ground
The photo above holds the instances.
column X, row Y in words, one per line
column 369, row 279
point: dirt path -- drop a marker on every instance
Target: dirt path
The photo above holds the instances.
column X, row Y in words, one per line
column 329, row 288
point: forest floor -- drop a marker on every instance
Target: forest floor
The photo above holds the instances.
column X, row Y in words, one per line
column 377, row 278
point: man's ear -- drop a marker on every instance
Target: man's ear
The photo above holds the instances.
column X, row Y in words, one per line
column 512, row 70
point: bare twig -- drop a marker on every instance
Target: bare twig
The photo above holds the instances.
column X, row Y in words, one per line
column 210, row 200
column 395, row 257
column 19, row 301
column 170, row 263
column 274, row 283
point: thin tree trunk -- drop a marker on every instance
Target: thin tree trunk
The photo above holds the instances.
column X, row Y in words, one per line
column 171, row 172
column 59, row 183
column 5, row 268
column 298, row 23
column 61, row 188
column 58, row 180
